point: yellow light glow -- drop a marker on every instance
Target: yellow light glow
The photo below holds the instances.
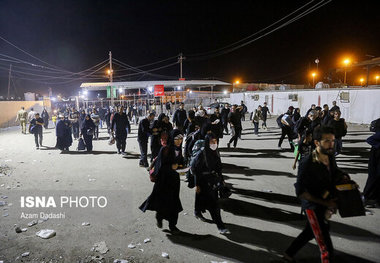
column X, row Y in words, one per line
column 377, row 77
column 237, row 81
column 346, row 61
column 313, row 74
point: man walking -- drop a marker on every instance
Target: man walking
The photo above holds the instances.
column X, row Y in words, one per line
column 224, row 115
column 264, row 112
column 96, row 119
column 340, row 128
column 142, row 137
column 287, row 126
column 317, row 176
column 334, row 107
column 257, row 116
column 74, row 118
column 31, row 116
column 180, row 117
column 120, row 124
column 22, row 116
column 311, row 108
column 243, row 110
column 36, row 128
column 234, row 118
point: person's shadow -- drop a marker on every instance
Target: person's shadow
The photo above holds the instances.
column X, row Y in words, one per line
column 271, row 214
column 222, row 248
column 277, row 243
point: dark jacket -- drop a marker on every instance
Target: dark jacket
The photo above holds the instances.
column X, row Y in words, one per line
column 224, row 114
column 235, row 118
column 372, row 187
column 37, row 127
column 165, row 195
column 144, row 130
column 314, row 177
column 179, row 117
column 339, row 128
column 207, row 168
column 120, row 124
column 87, row 126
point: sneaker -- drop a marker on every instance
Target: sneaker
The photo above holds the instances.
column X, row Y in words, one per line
column 37, row 148
column 118, row 152
column 228, row 145
column 123, row 153
column 224, row 231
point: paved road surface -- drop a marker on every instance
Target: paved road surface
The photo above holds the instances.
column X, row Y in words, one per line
column 262, row 214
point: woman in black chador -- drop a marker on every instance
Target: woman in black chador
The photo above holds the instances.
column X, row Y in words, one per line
column 164, row 198
column 87, row 131
column 63, row 132
column 155, row 144
column 207, row 168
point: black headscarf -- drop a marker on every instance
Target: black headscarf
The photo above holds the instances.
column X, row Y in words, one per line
column 88, row 124
column 191, row 114
column 167, row 156
column 213, row 158
column 160, row 118
column 174, row 133
column 177, row 151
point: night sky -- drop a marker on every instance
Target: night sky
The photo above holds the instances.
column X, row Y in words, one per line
column 76, row 35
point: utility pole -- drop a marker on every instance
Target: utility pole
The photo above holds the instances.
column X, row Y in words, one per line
column 9, row 80
column 180, row 59
column 111, row 77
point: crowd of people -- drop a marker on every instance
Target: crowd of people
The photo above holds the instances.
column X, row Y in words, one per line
column 191, row 139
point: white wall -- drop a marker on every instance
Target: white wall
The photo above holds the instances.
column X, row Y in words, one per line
column 363, row 107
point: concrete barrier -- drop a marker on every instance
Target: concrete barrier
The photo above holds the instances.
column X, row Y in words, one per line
column 9, row 109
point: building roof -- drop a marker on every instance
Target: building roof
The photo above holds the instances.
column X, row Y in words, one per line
column 146, row 84
column 371, row 62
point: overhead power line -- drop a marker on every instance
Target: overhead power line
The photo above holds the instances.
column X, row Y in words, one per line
column 230, row 48
column 27, row 53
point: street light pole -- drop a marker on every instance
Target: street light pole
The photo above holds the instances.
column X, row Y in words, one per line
column 346, row 62
column 180, row 59
column 317, row 62
column 111, row 77
column 9, row 80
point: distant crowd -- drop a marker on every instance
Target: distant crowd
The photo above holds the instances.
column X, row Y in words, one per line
column 190, row 139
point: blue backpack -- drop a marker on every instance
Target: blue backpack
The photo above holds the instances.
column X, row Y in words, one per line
column 198, row 148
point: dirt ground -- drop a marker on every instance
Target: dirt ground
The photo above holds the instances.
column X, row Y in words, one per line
column 263, row 213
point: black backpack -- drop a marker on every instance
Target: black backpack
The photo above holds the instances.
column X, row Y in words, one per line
column 278, row 120
column 374, row 125
column 197, row 149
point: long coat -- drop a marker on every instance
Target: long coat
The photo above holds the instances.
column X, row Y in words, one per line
column 63, row 132
column 164, row 198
